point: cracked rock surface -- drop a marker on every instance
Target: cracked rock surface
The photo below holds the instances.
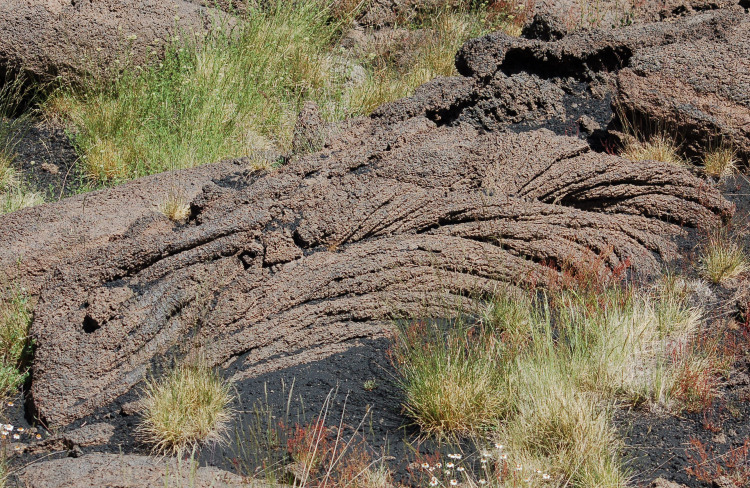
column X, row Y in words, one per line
column 125, row 471
column 436, row 198
column 386, row 220
column 50, row 38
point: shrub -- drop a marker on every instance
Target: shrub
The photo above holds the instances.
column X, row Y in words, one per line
column 238, row 92
column 188, row 406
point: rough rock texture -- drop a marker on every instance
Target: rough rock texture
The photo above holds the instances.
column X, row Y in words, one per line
column 389, row 219
column 309, row 130
column 125, row 471
column 88, row 435
column 662, row 483
column 554, row 19
column 47, row 38
column 691, row 76
column 430, row 201
column 700, row 87
column 35, row 240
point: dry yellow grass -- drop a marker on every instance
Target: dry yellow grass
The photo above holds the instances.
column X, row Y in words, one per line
column 660, row 147
column 13, row 193
column 175, row 207
column 720, row 161
column 187, row 407
column 723, row 258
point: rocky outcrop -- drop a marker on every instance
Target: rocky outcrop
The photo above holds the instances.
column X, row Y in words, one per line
column 87, row 435
column 126, row 471
column 554, row 19
column 36, row 240
column 50, row 38
column 389, row 219
column 689, row 77
column 696, row 88
column 436, row 199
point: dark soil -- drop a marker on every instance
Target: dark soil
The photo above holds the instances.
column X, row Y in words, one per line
column 47, row 161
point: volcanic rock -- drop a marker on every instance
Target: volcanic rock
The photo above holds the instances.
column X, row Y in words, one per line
column 126, row 471
column 697, row 88
column 435, row 200
column 35, row 240
column 689, row 77
column 388, row 220
column 662, row 483
column 87, row 435
column 50, row 38
column 554, row 19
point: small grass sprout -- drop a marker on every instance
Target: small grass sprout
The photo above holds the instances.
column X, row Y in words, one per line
column 722, row 258
column 720, row 161
column 175, row 206
column 14, row 194
column 188, row 406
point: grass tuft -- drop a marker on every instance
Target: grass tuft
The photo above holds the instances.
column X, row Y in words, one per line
column 187, row 407
column 453, row 386
column 660, row 147
column 722, row 258
column 720, row 162
column 175, row 207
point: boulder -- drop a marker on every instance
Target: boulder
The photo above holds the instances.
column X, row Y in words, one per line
column 695, row 88
column 126, row 471
column 389, row 219
column 554, row 19
column 50, row 38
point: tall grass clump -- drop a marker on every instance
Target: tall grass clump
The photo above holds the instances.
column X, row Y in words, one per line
column 238, row 91
column 453, row 386
column 443, row 33
column 541, row 372
column 15, row 346
column 187, row 407
column 722, row 258
column 720, row 161
column 14, row 193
